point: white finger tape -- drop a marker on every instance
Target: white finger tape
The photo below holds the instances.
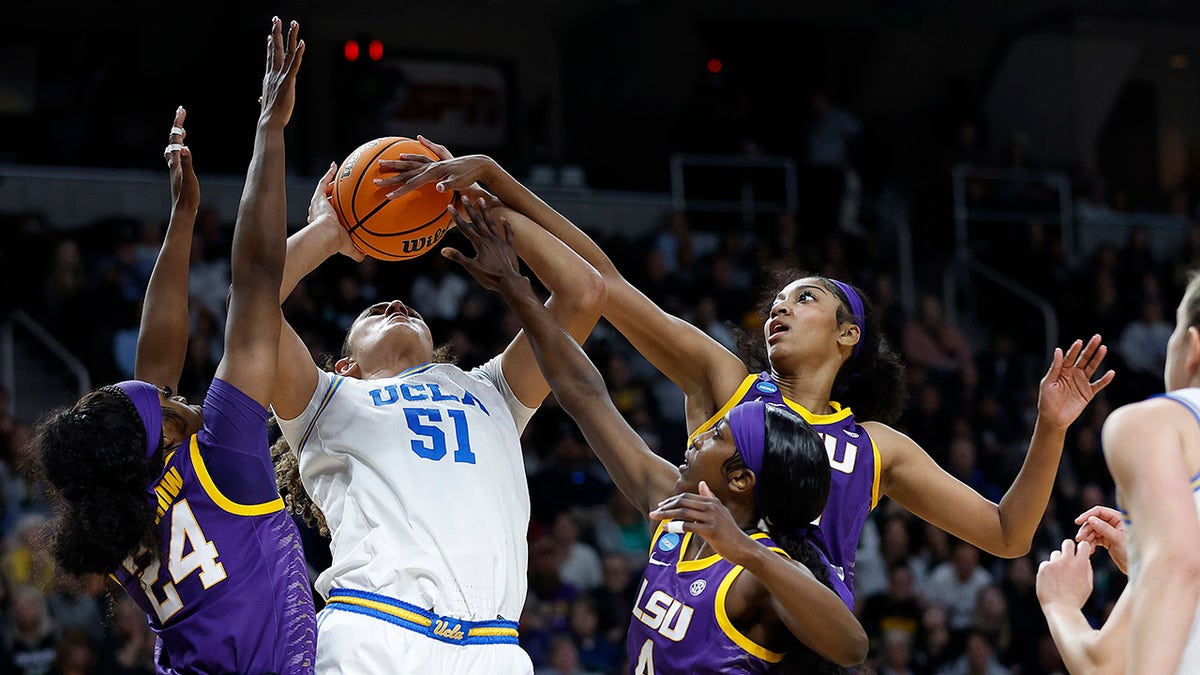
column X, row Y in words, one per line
column 675, row 526
column 174, row 147
column 177, row 130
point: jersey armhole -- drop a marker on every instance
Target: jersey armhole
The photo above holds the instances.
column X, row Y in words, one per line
column 731, row 631
column 730, row 403
column 210, row 488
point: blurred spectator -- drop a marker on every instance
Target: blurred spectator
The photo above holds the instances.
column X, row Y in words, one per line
column 955, row 585
column 897, row 656
column 939, row 348
column 979, row 659
column 438, row 292
column 1143, row 349
column 613, row 600
column 128, row 646
column 564, row 659
column 74, row 606
column 28, row 559
column 76, row 654
column 992, row 620
column 897, row 609
column 934, row 645
column 31, row 636
column 596, row 651
column 620, row 528
column 581, row 565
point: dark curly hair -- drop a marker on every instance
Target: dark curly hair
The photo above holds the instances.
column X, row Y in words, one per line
column 873, row 382
column 287, row 479
column 91, row 456
column 792, row 491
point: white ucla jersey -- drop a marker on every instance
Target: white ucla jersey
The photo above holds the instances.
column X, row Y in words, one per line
column 421, row 479
column 1189, row 662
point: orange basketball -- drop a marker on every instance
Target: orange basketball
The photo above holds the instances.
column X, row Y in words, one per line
column 397, row 229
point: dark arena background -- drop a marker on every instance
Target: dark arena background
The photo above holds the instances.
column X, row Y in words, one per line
column 1001, row 178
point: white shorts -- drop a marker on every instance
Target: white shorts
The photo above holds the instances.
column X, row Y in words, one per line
column 353, row 644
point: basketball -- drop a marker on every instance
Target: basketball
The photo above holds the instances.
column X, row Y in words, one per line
column 398, row 229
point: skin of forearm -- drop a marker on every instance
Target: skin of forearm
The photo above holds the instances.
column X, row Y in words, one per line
column 1022, row 507
column 1077, row 642
column 814, row 614
column 306, row 250
column 163, row 330
column 254, row 248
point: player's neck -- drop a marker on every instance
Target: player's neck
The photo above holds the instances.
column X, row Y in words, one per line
column 391, row 369
column 809, row 388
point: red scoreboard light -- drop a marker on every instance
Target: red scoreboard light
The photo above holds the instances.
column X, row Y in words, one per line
column 350, row 50
column 375, row 50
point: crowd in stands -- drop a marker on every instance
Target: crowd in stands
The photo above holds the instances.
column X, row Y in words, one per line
column 931, row 604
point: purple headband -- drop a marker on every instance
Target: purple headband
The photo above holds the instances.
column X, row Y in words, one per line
column 748, row 424
column 145, row 398
column 856, row 308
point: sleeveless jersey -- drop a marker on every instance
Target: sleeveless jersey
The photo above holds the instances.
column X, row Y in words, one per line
column 854, row 486
column 679, row 623
column 421, row 479
column 229, row 591
column 1189, row 661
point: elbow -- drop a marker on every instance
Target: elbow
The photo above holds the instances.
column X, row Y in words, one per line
column 591, row 292
column 854, row 652
column 860, row 646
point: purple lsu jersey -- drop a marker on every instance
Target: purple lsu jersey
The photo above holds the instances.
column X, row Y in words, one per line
column 229, row 590
column 679, row 622
column 854, row 487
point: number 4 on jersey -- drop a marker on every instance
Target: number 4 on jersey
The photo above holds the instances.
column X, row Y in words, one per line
column 185, row 535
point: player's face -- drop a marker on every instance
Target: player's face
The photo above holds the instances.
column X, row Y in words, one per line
column 705, row 459
column 388, row 331
column 803, row 322
column 180, row 420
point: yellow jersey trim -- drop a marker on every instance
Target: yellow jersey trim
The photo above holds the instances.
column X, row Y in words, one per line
column 682, row 565
column 221, row 500
column 416, row 370
column 839, row 413
column 875, row 480
column 729, row 405
column 334, row 385
column 732, row 632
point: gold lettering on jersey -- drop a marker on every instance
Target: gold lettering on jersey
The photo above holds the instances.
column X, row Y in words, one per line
column 664, row 614
column 442, row 628
column 167, row 489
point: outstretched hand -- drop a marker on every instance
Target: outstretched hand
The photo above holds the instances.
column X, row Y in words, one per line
column 185, row 187
column 320, row 212
column 448, row 173
column 279, row 82
column 1068, row 387
column 495, row 260
column 1102, row 526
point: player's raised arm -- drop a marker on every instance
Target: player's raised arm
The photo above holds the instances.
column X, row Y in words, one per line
column 641, row 475
column 701, row 367
column 163, row 334
column 260, row 234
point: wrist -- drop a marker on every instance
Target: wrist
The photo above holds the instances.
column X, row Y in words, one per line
column 515, row 285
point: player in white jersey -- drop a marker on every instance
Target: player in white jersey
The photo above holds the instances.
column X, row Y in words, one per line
column 1153, row 450
column 417, row 468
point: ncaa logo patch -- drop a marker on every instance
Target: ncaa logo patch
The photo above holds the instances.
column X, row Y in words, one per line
column 668, row 542
column 697, row 587
column 767, row 387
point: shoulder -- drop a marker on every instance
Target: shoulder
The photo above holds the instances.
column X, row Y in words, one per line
column 1152, row 417
column 893, row 445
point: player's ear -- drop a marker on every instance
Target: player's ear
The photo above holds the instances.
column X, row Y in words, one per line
column 347, row 366
column 1193, row 354
column 850, row 334
column 741, row 480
